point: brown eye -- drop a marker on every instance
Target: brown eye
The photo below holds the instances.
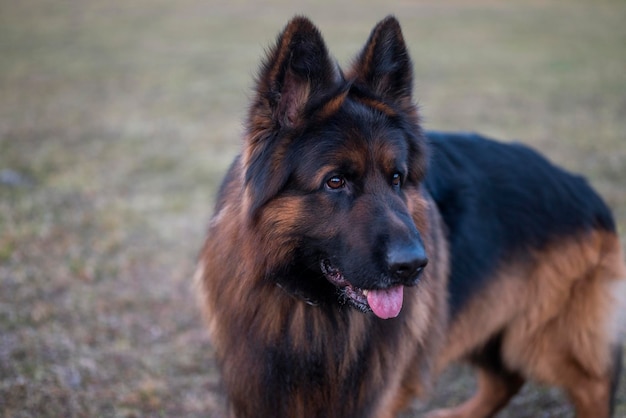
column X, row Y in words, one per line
column 396, row 180
column 336, row 182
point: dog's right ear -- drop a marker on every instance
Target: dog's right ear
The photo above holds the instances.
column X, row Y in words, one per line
column 296, row 69
column 297, row 72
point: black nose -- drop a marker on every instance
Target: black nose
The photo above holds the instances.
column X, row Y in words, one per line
column 406, row 262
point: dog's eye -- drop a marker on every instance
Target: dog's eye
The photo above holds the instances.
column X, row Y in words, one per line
column 335, row 182
column 396, row 180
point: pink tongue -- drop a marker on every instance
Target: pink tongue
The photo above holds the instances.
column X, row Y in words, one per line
column 386, row 303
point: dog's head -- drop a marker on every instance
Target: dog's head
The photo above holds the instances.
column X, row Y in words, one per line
column 333, row 166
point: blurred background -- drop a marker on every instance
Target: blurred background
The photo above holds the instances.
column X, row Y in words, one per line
column 119, row 118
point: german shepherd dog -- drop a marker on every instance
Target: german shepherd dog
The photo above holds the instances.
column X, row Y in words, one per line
column 352, row 256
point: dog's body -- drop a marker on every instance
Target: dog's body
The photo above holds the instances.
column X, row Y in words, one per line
column 351, row 257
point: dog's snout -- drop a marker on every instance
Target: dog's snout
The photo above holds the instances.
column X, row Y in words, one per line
column 406, row 262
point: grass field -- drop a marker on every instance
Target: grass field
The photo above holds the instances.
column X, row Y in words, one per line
column 118, row 119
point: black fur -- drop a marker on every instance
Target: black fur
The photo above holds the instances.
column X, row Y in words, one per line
column 499, row 200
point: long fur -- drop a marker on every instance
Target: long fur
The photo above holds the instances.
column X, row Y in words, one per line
column 337, row 192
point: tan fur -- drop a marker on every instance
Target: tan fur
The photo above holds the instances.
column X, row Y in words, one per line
column 331, row 106
column 558, row 315
column 378, row 105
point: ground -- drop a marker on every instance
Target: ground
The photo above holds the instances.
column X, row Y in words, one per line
column 119, row 118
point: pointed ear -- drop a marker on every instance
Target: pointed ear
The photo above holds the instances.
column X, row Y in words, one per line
column 296, row 69
column 297, row 72
column 384, row 66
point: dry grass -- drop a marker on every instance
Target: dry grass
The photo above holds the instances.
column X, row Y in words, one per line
column 118, row 119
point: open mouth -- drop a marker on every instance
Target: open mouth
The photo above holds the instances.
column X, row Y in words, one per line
column 384, row 303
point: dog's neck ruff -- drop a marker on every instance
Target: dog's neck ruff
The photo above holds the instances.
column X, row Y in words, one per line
column 299, row 295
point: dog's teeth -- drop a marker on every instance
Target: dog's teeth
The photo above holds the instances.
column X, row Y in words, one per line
column 365, row 292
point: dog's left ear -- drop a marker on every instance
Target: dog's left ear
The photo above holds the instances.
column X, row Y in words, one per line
column 384, row 66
